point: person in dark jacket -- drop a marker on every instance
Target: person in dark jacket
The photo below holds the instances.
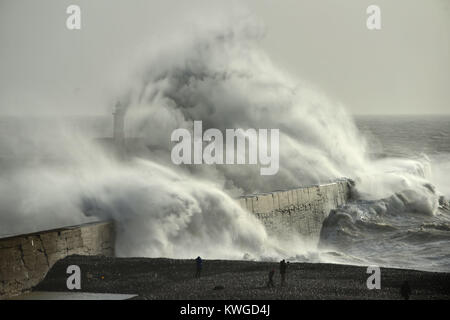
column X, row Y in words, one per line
column 199, row 264
column 283, row 267
column 270, row 282
column 405, row 290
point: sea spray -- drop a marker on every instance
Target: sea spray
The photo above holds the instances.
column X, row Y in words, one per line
column 225, row 80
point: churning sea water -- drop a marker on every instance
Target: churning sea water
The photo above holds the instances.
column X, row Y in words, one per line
column 394, row 231
column 386, row 232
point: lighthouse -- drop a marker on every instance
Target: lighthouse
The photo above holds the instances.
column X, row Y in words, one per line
column 119, row 126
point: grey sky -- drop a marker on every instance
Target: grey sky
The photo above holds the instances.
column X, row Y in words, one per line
column 403, row 68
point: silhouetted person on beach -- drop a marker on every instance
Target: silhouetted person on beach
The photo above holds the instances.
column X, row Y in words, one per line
column 199, row 263
column 283, row 267
column 270, row 282
column 405, row 290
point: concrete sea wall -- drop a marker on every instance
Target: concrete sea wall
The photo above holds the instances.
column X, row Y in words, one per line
column 25, row 259
column 301, row 210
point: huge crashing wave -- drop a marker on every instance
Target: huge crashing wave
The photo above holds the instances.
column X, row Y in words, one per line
column 222, row 77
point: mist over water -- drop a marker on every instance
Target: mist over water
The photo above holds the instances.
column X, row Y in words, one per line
column 57, row 175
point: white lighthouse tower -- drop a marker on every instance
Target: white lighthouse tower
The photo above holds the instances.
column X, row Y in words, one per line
column 119, row 126
column 119, row 131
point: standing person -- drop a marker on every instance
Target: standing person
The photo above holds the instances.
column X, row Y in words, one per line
column 199, row 264
column 283, row 271
column 405, row 290
column 270, row 282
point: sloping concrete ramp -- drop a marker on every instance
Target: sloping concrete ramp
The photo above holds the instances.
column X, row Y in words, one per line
column 47, row 295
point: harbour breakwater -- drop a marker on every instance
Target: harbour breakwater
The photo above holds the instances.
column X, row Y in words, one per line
column 25, row 259
column 301, row 210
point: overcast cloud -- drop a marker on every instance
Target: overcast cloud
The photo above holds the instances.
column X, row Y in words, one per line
column 403, row 68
